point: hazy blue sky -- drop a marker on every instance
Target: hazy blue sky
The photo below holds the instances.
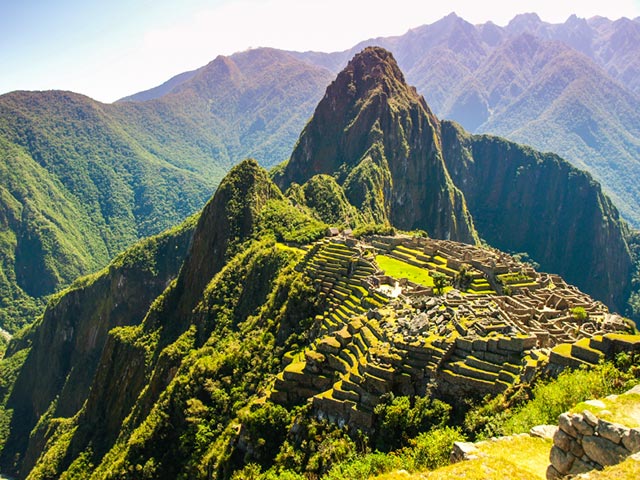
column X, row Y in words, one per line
column 111, row 48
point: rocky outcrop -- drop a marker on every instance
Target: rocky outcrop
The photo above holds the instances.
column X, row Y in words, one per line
column 585, row 442
column 226, row 220
column 381, row 141
column 526, row 201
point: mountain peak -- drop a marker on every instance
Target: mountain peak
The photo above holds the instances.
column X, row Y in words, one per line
column 378, row 138
column 374, row 68
column 523, row 22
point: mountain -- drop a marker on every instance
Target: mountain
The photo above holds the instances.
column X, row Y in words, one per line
column 560, row 101
column 77, row 189
column 250, row 104
column 611, row 44
column 525, row 201
column 369, row 132
column 83, row 180
column 378, row 137
column 70, row 337
column 160, row 90
column 268, row 345
column 528, row 81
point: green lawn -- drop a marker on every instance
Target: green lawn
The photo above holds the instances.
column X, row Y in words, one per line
column 398, row 269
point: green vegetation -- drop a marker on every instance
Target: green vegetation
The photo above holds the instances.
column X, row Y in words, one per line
column 290, row 224
column 440, row 282
column 326, row 200
column 81, row 180
column 579, row 313
column 630, row 468
column 398, row 269
column 172, row 375
column 623, row 409
column 373, row 229
column 516, row 411
column 399, row 420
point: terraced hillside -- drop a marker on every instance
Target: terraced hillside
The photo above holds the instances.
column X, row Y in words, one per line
column 492, row 322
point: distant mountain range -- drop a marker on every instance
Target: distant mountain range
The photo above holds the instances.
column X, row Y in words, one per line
column 82, row 180
column 571, row 88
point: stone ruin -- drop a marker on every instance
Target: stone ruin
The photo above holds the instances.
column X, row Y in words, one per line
column 380, row 334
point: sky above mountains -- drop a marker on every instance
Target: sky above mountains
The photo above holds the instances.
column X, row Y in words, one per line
column 107, row 50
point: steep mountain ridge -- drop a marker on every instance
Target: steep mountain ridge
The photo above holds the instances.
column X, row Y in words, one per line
column 537, row 116
column 62, row 351
column 525, row 201
column 262, row 316
column 461, row 68
column 183, row 392
column 381, row 141
column 140, row 360
column 78, row 190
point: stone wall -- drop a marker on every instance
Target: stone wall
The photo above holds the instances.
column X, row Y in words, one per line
column 584, row 442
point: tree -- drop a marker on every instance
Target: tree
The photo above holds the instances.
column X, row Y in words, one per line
column 579, row 313
column 440, row 281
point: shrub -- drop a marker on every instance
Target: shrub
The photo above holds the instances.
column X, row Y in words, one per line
column 398, row 420
column 579, row 313
column 264, row 429
column 431, row 450
column 366, row 466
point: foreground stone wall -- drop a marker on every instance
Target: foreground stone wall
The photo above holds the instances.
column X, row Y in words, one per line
column 584, row 442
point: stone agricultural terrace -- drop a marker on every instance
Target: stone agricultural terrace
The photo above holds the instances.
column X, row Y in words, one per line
column 492, row 323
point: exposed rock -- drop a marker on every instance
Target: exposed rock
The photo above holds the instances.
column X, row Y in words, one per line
column 582, row 426
column 562, row 440
column 381, row 140
column 602, row 451
column 543, row 431
column 552, row 473
column 631, row 440
column 562, row 461
column 564, row 422
column 590, row 418
column 512, row 203
column 611, row 431
column 579, row 467
column 463, row 451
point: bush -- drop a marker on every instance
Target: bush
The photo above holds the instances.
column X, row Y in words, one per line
column 373, row 229
column 265, row 429
column 366, row 466
column 579, row 313
column 431, row 450
column 398, row 420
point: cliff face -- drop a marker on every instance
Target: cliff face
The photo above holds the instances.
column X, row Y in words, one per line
column 378, row 137
column 226, row 221
column 67, row 344
column 526, row 201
